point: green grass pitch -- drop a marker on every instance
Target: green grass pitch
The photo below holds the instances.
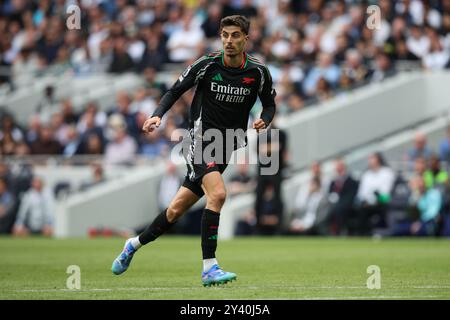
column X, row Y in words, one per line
column 267, row 268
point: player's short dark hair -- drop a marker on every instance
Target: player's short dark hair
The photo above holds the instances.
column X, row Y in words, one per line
column 236, row 20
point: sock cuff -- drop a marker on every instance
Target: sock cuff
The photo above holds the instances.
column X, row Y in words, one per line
column 208, row 211
column 164, row 213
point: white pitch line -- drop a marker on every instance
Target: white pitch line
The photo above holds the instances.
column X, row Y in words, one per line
column 368, row 297
column 240, row 287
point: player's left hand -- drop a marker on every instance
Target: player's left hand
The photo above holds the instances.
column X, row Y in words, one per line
column 259, row 124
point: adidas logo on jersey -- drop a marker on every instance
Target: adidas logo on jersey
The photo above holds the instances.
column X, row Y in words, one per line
column 217, row 77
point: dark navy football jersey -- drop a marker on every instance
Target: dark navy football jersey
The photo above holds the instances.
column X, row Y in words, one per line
column 224, row 95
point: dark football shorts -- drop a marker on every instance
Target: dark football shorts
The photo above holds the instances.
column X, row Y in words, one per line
column 196, row 171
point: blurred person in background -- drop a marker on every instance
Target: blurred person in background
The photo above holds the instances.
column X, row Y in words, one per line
column 309, row 214
column 341, row 196
column 383, row 68
column 373, row 195
column 241, row 182
column 326, row 69
column 121, row 60
column 435, row 176
column 10, row 128
column 7, row 206
column 426, row 204
column 186, row 44
column 268, row 211
column 437, row 58
column 122, row 108
column 420, row 149
column 97, row 177
column 121, row 150
column 36, row 211
column 444, row 148
column 168, row 186
column 45, row 143
column 48, row 101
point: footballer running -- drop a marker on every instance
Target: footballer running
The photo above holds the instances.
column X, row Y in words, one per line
column 228, row 83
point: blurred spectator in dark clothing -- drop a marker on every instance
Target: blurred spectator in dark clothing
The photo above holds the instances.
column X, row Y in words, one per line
column 156, row 88
column 247, row 9
column 398, row 34
column 93, row 145
column 9, row 127
column 7, row 144
column 402, row 53
column 50, row 43
column 341, row 196
column 268, row 211
column 91, row 129
column 18, row 175
column 383, row 68
column 155, row 54
column 121, row 61
column 227, row 8
column 342, row 45
column 46, row 144
column 399, row 205
column 97, row 177
column 323, row 91
column 422, row 221
column 92, row 111
column 47, row 101
column 211, row 24
column 272, row 149
column 69, row 115
column 122, row 108
column 241, row 182
column 272, row 160
column 7, row 205
column 5, row 173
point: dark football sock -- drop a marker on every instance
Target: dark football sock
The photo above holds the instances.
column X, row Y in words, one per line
column 157, row 228
column 209, row 227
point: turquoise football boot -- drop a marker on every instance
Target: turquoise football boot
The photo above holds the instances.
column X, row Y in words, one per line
column 216, row 276
column 122, row 262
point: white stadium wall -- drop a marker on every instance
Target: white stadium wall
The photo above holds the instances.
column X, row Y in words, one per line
column 343, row 124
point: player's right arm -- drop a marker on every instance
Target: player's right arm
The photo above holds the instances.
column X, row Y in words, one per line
column 187, row 80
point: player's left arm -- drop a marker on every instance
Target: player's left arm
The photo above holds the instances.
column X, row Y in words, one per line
column 267, row 96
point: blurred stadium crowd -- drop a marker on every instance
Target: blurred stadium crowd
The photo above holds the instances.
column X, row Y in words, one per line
column 315, row 50
column 381, row 201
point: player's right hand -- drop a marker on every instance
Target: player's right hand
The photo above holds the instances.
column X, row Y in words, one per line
column 150, row 124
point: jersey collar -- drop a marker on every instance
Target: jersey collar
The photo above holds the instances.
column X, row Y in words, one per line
column 243, row 63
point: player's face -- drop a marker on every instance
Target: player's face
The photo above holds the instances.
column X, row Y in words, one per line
column 233, row 40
